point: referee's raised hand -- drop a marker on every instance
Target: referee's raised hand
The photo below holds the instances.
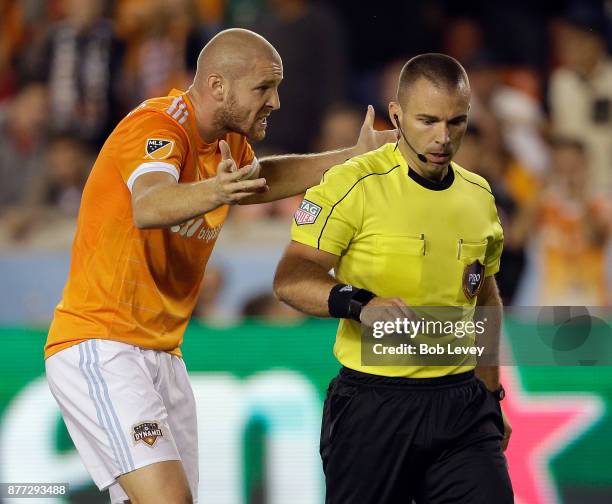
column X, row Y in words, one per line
column 229, row 184
column 381, row 309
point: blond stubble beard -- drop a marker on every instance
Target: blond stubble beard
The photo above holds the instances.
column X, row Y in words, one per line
column 230, row 118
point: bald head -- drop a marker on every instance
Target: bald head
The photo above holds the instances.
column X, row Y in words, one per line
column 232, row 53
column 236, row 85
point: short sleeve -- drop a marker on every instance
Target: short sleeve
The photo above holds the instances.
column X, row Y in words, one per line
column 495, row 245
column 330, row 214
column 147, row 142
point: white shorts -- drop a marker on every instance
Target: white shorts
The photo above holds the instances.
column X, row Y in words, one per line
column 125, row 407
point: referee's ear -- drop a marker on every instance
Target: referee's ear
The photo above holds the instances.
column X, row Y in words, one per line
column 395, row 112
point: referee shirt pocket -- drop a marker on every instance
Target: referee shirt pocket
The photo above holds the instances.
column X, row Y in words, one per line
column 399, row 264
column 468, row 253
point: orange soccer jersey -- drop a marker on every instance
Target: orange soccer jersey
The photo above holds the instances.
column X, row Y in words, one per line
column 128, row 284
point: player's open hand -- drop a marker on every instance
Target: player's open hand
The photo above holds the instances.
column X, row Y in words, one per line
column 369, row 138
column 231, row 184
column 385, row 310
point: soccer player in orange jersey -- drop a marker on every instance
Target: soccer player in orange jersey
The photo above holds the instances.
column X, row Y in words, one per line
column 151, row 212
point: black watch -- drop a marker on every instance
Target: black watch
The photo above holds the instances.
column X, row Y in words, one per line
column 499, row 393
column 358, row 300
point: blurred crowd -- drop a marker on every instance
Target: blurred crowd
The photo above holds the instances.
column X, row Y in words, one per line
column 540, row 123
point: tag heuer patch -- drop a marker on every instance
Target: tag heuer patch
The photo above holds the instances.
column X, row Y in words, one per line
column 158, row 148
column 473, row 278
column 307, row 213
column 148, row 432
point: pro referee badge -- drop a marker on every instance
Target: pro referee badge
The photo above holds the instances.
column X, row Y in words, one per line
column 147, row 432
column 307, row 213
column 473, row 278
column 158, row 148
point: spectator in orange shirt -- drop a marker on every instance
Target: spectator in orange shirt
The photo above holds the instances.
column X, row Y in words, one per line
column 573, row 231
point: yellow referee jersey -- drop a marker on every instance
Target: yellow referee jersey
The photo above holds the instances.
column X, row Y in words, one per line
column 400, row 235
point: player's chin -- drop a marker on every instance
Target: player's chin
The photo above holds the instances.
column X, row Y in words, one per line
column 256, row 133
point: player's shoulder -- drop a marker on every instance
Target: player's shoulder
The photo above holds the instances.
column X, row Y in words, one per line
column 169, row 112
column 376, row 162
column 150, row 128
column 173, row 106
column 472, row 180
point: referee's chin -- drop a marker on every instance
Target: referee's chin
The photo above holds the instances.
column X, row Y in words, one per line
column 434, row 171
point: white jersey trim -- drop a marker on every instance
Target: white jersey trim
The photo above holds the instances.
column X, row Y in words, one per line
column 152, row 167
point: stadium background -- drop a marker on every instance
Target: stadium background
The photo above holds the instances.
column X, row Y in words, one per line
column 541, row 133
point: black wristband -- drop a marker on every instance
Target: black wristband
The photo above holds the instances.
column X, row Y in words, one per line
column 345, row 301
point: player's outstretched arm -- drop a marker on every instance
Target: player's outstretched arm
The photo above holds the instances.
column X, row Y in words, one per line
column 294, row 173
column 159, row 201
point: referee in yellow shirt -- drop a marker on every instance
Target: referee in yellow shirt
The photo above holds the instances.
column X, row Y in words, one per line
column 403, row 227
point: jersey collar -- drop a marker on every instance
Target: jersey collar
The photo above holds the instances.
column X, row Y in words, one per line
column 445, row 183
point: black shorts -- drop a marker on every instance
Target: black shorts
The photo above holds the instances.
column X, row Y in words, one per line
column 395, row 440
